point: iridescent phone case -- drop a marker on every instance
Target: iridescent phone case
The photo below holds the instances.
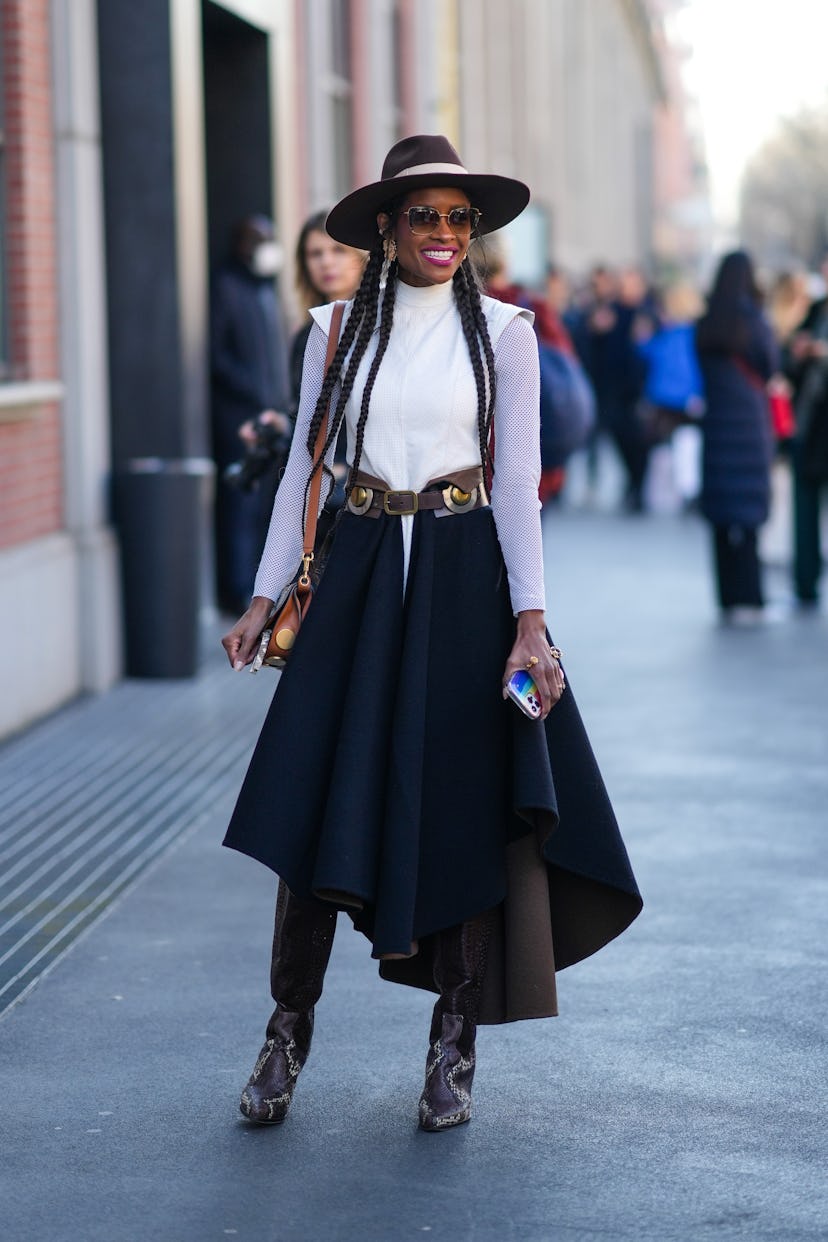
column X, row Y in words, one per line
column 523, row 691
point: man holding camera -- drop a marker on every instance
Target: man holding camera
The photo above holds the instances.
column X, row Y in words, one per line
column 249, row 391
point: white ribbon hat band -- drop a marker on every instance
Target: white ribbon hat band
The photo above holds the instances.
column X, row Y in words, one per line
column 417, row 170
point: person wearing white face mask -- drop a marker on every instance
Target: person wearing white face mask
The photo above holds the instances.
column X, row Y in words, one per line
column 249, row 381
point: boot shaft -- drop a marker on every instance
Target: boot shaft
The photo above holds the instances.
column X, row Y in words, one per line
column 303, row 936
column 459, row 968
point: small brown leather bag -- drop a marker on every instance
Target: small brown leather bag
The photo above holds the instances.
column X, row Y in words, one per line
column 279, row 635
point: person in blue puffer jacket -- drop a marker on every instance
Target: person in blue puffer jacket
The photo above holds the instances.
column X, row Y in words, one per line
column 673, row 400
column 738, row 354
column 673, row 388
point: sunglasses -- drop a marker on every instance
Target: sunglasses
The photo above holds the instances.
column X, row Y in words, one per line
column 424, row 220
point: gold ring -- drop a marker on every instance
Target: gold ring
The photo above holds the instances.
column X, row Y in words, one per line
column 556, row 653
column 532, row 661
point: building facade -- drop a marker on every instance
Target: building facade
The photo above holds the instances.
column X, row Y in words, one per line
column 132, row 137
column 682, row 216
column 562, row 93
column 52, row 537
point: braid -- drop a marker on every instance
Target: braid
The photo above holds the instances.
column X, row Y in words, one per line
column 357, row 332
column 386, row 320
column 365, row 297
column 476, row 332
column 483, row 333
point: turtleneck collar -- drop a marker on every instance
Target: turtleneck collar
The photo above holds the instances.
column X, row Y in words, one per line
column 427, row 297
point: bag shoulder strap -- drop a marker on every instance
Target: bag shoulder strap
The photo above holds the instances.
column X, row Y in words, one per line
column 751, row 375
column 321, row 436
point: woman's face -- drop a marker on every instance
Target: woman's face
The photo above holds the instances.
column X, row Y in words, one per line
column 334, row 270
column 432, row 257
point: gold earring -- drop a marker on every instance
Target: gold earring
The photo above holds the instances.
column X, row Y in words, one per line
column 390, row 247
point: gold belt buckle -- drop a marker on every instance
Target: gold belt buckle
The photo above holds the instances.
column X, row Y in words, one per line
column 390, row 498
column 360, row 499
column 456, row 500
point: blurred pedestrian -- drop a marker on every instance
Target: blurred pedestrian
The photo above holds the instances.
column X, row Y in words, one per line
column 636, row 294
column 249, row 373
column 807, row 366
column 326, row 271
column 605, row 333
column 674, row 391
column 738, row 355
column 673, row 385
column 557, row 295
column 567, row 401
column 391, row 779
column 787, row 307
column 572, row 394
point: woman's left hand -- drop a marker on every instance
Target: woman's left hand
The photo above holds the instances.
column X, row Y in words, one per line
column 531, row 651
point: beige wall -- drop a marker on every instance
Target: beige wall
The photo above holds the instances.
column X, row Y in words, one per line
column 561, row 93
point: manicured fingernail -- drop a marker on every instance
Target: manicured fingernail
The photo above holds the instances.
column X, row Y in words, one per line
column 238, row 666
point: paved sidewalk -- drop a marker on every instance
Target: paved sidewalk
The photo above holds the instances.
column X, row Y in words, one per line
column 93, row 795
column 681, row 1094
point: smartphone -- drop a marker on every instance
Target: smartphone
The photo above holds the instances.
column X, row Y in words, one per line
column 262, row 652
column 522, row 690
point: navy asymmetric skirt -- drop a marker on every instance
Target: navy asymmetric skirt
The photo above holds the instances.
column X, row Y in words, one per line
column 391, row 777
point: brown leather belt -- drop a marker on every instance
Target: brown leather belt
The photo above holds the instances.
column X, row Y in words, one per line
column 458, row 491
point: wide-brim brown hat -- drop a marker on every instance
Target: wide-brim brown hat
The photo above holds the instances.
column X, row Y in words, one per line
column 424, row 160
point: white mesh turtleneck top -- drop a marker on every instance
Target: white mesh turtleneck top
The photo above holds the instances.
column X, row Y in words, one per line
column 422, row 424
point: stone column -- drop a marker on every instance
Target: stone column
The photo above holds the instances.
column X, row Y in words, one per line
column 83, row 340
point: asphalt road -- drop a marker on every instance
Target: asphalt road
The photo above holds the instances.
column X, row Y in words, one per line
column 680, row 1096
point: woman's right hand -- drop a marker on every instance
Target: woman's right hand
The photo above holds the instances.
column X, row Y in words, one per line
column 241, row 643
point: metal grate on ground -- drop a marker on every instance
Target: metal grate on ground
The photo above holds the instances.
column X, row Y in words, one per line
column 93, row 795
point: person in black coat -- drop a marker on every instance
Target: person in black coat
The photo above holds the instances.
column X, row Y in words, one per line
column 806, row 363
column 738, row 355
column 604, row 335
column 249, row 379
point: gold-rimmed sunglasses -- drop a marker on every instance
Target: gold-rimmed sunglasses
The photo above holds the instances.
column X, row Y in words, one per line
column 424, row 220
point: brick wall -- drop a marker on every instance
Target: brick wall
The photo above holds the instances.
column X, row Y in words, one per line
column 31, row 501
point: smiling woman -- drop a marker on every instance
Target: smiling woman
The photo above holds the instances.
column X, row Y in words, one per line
column 476, row 849
column 432, row 230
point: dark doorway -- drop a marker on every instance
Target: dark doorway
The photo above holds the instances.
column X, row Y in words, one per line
column 237, row 124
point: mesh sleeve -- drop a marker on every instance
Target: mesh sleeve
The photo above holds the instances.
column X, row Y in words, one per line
column 283, row 546
column 515, row 502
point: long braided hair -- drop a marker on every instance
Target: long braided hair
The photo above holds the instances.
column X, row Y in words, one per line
column 357, row 333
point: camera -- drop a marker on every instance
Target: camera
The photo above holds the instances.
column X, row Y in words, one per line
column 266, row 454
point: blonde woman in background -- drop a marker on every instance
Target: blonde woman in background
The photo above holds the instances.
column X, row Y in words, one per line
column 326, row 271
column 788, row 304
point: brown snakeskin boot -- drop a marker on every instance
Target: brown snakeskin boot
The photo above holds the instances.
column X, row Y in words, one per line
column 459, row 966
column 302, row 941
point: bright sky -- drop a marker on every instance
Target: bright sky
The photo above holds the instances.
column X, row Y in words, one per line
column 752, row 62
